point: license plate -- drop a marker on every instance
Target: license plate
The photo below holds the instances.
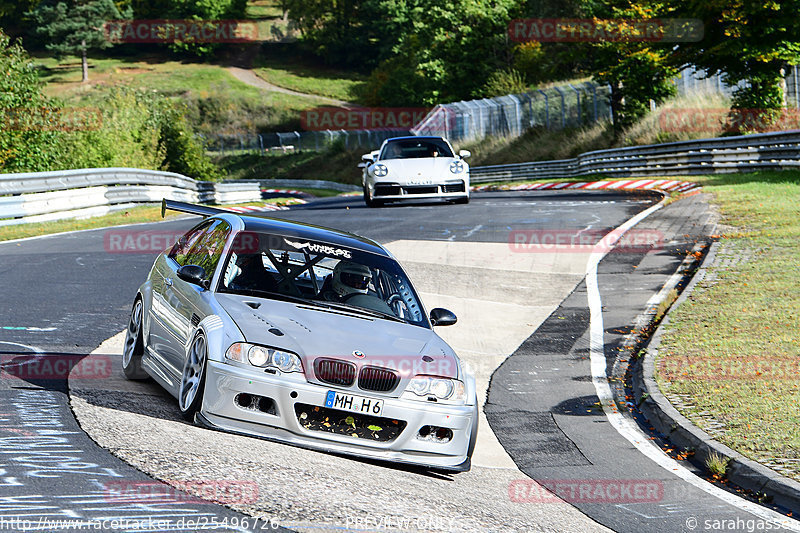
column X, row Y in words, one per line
column 355, row 404
column 419, row 182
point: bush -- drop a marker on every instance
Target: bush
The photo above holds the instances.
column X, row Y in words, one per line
column 503, row 82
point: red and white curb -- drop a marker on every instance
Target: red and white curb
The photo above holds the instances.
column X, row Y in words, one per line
column 285, row 191
column 664, row 185
column 257, row 208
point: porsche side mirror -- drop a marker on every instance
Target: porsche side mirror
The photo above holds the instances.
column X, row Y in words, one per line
column 442, row 317
column 366, row 157
column 463, row 154
column 194, row 274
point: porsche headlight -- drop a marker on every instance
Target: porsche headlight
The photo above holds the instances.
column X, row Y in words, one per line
column 379, row 170
column 456, row 167
column 263, row 357
column 440, row 388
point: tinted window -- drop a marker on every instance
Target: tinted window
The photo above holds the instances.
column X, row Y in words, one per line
column 185, row 243
column 207, row 249
column 278, row 267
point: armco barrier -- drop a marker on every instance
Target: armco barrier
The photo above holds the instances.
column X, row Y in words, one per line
column 44, row 196
column 764, row 151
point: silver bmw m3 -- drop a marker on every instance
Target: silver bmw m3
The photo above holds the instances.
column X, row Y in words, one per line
column 305, row 335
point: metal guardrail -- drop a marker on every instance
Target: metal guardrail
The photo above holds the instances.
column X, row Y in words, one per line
column 764, row 151
column 45, row 196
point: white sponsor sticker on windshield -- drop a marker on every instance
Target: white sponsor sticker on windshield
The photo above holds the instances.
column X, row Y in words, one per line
column 319, row 248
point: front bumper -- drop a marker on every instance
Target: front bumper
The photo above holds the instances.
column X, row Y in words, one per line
column 399, row 191
column 224, row 382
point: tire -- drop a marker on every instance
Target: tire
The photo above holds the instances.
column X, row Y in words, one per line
column 133, row 350
column 370, row 201
column 193, row 378
column 464, row 200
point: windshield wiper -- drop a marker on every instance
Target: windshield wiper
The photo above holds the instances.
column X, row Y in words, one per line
column 362, row 310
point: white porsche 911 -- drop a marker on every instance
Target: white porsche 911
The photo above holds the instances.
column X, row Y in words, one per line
column 412, row 168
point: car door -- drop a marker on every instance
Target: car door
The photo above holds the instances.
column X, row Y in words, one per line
column 161, row 338
column 188, row 303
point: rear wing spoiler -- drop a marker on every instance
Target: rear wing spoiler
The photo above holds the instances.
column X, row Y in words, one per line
column 194, row 209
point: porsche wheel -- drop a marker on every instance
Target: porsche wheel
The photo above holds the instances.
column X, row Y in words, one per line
column 133, row 350
column 193, row 380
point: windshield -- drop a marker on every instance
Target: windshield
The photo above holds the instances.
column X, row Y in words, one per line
column 415, row 148
column 319, row 274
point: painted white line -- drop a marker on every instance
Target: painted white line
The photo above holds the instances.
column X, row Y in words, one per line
column 25, row 328
column 625, row 427
column 34, row 349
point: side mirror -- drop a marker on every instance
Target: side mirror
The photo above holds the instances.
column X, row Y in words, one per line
column 195, row 275
column 366, row 157
column 463, row 154
column 442, row 317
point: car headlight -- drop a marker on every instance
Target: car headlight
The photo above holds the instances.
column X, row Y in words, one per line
column 441, row 388
column 456, row 167
column 379, row 170
column 262, row 357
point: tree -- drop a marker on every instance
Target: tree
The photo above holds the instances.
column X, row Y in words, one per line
column 637, row 71
column 352, row 33
column 746, row 41
column 75, row 28
column 451, row 50
column 27, row 139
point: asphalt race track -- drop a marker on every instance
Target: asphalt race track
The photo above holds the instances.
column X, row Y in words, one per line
column 525, row 328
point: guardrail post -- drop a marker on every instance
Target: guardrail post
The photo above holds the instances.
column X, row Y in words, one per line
column 563, row 115
column 546, row 109
column 578, row 102
column 299, row 146
column 261, row 143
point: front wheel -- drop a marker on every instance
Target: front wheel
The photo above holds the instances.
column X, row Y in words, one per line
column 193, row 379
column 133, row 350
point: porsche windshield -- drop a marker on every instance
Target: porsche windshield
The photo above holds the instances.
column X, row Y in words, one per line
column 320, row 274
column 415, row 148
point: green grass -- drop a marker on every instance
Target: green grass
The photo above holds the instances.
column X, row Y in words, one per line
column 732, row 350
column 263, row 9
column 135, row 215
column 149, row 213
column 217, row 102
column 329, row 165
column 298, row 74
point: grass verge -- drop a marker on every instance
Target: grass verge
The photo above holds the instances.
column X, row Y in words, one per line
column 134, row 215
column 732, row 350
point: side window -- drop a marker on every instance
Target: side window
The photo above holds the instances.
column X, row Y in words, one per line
column 207, row 250
column 185, row 243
